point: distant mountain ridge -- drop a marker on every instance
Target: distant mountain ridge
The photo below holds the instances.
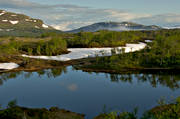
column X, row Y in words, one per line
column 20, row 24
column 13, row 24
column 173, row 27
column 114, row 26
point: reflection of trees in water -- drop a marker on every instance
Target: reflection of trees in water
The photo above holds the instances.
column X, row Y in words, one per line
column 121, row 77
column 52, row 72
column 49, row 72
column 169, row 80
column 166, row 79
column 10, row 75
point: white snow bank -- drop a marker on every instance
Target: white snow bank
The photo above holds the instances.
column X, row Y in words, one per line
column 172, row 27
column 8, row 66
column 5, row 20
column 148, row 41
column 79, row 53
column 14, row 22
column 37, row 27
column 2, row 13
column 9, row 29
column 28, row 20
column 45, row 26
column 13, row 15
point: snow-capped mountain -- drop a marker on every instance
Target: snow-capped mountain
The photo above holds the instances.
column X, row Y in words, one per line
column 172, row 27
column 19, row 24
column 115, row 26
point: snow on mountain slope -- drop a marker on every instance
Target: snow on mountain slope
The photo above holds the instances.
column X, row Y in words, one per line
column 13, row 24
column 115, row 26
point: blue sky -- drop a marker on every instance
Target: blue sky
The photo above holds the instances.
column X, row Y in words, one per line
column 140, row 6
column 71, row 14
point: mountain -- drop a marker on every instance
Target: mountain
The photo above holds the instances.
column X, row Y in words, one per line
column 21, row 25
column 114, row 26
column 172, row 27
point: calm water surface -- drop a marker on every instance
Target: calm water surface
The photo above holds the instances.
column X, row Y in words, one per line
column 87, row 93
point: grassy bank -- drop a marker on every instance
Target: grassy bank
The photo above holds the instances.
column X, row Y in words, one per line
column 163, row 111
column 32, row 46
column 16, row 112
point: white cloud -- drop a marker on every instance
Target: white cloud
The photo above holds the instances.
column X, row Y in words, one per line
column 65, row 26
column 162, row 19
column 125, row 16
column 72, row 87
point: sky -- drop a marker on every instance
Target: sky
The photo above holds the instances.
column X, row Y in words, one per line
column 71, row 14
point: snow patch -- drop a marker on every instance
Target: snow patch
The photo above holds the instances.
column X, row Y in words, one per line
column 148, row 41
column 44, row 26
column 14, row 22
column 5, row 20
column 8, row 66
column 79, row 53
column 35, row 20
column 9, row 29
column 37, row 27
column 172, row 27
column 28, row 20
column 13, row 15
column 2, row 13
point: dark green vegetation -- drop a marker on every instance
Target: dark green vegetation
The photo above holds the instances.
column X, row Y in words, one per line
column 54, row 44
column 110, row 38
column 162, row 53
column 164, row 111
column 15, row 112
column 48, row 46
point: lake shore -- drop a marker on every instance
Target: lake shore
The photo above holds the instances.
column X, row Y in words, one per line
column 31, row 64
column 127, row 70
column 75, row 56
column 18, row 112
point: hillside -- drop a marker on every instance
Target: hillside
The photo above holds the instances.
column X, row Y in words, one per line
column 115, row 26
column 173, row 27
column 14, row 24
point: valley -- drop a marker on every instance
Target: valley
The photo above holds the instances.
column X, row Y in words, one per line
column 121, row 65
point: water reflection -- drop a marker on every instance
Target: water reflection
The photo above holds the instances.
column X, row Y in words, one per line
column 51, row 73
column 166, row 79
column 10, row 75
column 85, row 92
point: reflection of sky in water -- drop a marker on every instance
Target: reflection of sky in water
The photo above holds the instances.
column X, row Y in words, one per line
column 70, row 87
column 87, row 92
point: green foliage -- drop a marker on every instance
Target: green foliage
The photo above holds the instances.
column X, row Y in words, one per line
column 103, row 39
column 15, row 112
column 163, row 52
column 168, row 111
column 111, row 115
column 12, row 104
column 54, row 46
